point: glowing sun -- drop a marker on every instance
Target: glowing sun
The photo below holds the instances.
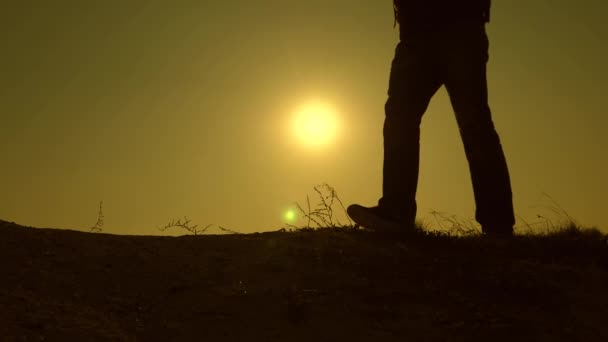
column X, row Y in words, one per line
column 315, row 124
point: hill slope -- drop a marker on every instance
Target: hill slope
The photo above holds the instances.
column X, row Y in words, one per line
column 325, row 285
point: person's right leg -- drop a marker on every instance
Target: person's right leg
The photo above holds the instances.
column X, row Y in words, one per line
column 414, row 79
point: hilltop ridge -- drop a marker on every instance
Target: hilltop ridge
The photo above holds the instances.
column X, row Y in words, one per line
column 324, row 284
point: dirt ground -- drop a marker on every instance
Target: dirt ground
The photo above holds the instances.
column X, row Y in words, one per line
column 324, row 285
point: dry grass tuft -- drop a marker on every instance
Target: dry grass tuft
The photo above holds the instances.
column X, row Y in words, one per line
column 324, row 214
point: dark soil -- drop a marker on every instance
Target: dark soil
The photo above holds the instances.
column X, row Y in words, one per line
column 323, row 285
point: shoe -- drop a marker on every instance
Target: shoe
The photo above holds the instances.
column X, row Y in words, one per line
column 374, row 218
column 499, row 231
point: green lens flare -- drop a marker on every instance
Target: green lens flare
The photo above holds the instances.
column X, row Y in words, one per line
column 290, row 215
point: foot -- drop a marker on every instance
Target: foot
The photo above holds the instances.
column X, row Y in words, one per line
column 374, row 219
column 499, row 231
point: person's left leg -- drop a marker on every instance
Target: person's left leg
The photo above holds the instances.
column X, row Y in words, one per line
column 466, row 56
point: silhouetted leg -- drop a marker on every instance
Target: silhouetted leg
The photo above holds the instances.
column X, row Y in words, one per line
column 413, row 81
column 466, row 59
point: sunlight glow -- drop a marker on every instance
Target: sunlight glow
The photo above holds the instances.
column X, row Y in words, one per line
column 315, row 125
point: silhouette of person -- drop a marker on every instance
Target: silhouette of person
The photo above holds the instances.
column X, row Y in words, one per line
column 442, row 42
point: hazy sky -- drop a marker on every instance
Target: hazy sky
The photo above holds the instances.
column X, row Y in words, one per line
column 169, row 108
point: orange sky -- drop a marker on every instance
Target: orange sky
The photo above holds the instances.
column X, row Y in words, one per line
column 167, row 110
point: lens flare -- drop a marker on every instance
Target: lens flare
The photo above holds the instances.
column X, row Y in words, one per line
column 290, row 216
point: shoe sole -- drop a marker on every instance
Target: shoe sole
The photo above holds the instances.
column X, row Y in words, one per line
column 370, row 221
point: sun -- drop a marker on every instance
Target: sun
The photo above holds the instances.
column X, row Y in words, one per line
column 315, row 124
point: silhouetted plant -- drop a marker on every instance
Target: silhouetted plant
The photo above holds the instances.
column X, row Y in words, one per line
column 324, row 214
column 454, row 225
column 193, row 229
column 185, row 225
column 98, row 227
column 547, row 225
column 226, row 230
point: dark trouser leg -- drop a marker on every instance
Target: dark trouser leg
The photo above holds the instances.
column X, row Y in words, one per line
column 466, row 82
column 413, row 81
